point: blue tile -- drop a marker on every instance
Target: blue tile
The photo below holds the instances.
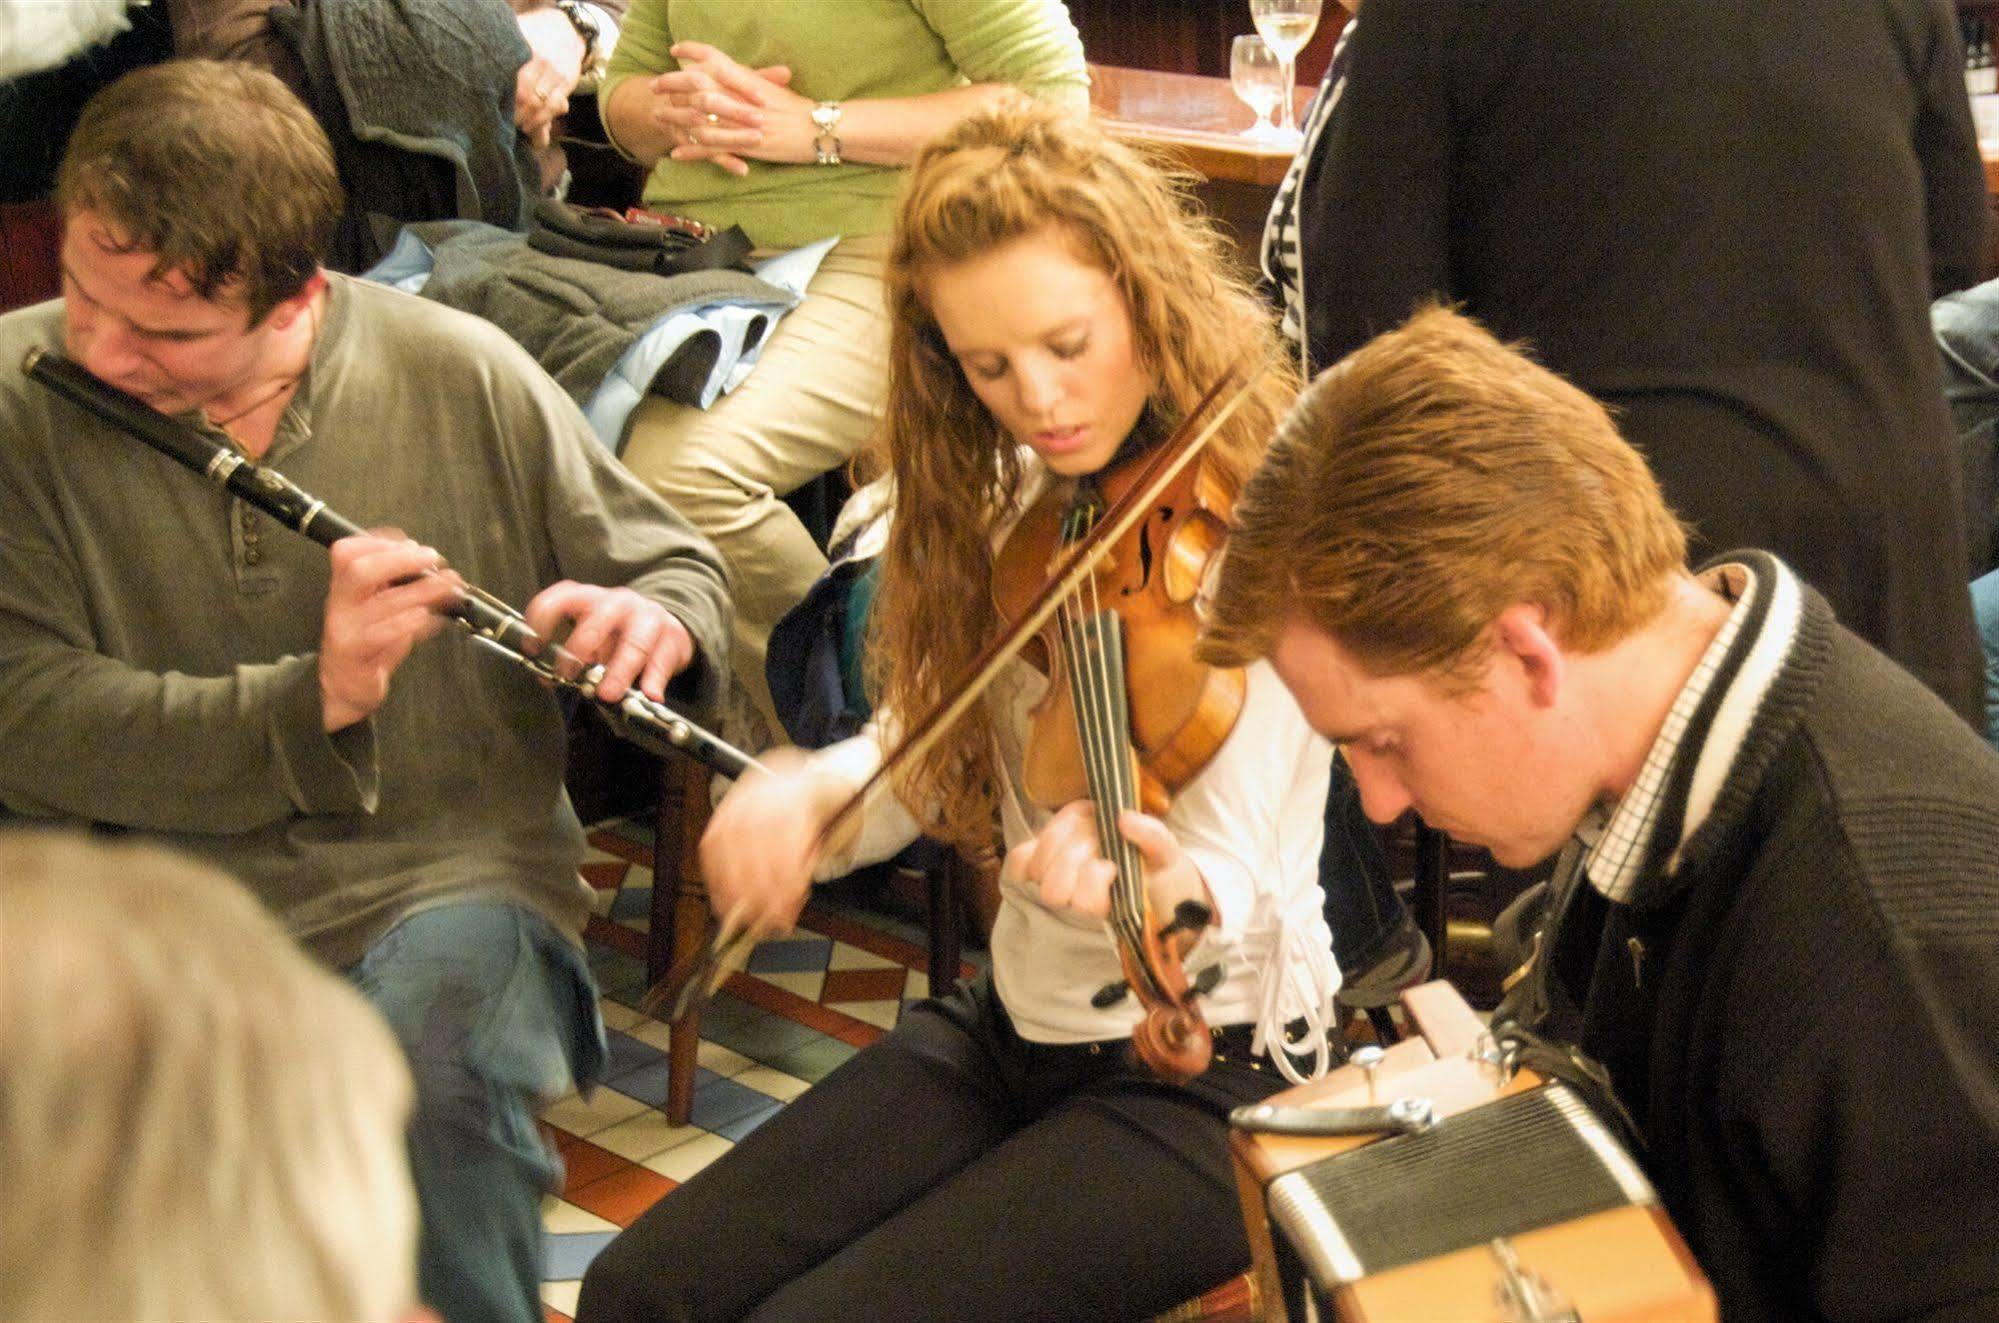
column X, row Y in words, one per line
column 726, row 1010
column 619, row 976
column 813, row 1060
column 648, row 1083
column 742, row 1125
column 761, row 1038
column 721, row 1101
column 636, row 830
column 791, row 955
column 565, row 1257
column 632, row 903
column 628, row 1054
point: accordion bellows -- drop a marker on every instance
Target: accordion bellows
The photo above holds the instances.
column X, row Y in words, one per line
column 1519, row 1163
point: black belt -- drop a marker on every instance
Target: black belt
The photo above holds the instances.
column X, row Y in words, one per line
column 1232, row 1044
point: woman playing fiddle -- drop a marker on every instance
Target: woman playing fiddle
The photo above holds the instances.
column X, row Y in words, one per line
column 1056, row 311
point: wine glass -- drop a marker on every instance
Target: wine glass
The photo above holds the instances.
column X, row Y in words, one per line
column 1257, row 76
column 1286, row 26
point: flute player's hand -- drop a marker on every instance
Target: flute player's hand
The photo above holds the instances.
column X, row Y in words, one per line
column 383, row 601
column 639, row 642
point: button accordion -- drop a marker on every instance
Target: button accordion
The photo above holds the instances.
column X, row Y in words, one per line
column 1495, row 1197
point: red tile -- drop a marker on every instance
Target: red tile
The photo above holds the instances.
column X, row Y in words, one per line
column 583, row 1162
column 785, row 1002
column 864, row 985
column 858, row 1032
column 611, row 933
column 622, row 1196
column 605, row 874
column 871, row 940
column 611, row 842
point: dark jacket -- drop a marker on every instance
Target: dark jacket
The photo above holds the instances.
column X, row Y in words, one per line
column 417, row 97
column 1807, row 1027
column 1727, row 221
column 578, row 318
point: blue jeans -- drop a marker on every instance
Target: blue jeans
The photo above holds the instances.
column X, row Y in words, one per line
column 498, row 1015
column 1985, row 610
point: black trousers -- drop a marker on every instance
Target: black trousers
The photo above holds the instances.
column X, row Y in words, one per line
column 953, row 1171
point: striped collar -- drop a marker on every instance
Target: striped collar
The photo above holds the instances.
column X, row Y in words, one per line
column 1711, row 716
column 1282, row 266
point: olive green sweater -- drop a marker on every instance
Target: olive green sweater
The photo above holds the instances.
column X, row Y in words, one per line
column 158, row 666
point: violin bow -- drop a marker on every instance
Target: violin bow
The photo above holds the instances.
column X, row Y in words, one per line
column 689, row 985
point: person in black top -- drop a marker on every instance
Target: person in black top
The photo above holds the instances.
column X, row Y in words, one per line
column 1725, row 220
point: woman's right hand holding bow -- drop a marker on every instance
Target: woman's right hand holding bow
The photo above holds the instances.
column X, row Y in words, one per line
column 764, row 841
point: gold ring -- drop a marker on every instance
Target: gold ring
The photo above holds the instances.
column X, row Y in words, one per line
column 713, row 118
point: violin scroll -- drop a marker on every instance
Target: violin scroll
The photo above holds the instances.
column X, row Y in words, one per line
column 1172, row 1038
column 1174, row 1042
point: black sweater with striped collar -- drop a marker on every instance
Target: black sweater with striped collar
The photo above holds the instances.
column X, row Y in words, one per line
column 1802, row 1010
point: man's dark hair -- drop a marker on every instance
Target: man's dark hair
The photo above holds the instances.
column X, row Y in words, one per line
column 216, row 168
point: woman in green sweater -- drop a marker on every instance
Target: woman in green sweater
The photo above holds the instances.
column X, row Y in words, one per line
column 795, row 121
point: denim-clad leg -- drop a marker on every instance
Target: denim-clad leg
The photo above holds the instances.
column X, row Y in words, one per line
column 1361, row 905
column 1985, row 610
column 498, row 1014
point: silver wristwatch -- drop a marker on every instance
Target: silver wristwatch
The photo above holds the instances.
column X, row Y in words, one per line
column 595, row 57
column 826, row 145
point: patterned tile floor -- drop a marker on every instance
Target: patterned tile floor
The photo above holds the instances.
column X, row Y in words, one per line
column 805, row 1004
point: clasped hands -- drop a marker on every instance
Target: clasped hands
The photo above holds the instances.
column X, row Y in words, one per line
column 713, row 108
column 763, row 844
column 389, row 594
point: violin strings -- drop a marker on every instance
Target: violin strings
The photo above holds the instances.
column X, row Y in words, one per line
column 1097, row 684
column 1086, row 690
column 1095, row 717
column 1111, row 792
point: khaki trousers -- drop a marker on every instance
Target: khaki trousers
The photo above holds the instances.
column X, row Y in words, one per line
column 814, row 397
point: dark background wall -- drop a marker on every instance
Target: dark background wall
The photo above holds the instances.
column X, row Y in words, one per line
column 1186, row 36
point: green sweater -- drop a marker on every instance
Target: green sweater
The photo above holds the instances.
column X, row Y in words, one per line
column 840, row 50
column 158, row 637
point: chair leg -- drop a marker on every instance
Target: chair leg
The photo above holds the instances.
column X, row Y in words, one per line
column 683, row 1043
column 946, row 928
column 679, row 913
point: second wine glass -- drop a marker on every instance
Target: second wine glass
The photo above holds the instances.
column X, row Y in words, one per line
column 1257, row 76
column 1286, row 25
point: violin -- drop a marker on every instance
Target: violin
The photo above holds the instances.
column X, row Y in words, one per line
column 1130, row 716
column 1180, row 711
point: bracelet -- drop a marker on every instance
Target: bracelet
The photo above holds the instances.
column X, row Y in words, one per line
column 587, row 28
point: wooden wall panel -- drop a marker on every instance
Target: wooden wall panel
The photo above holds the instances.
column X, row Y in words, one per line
column 1186, row 36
